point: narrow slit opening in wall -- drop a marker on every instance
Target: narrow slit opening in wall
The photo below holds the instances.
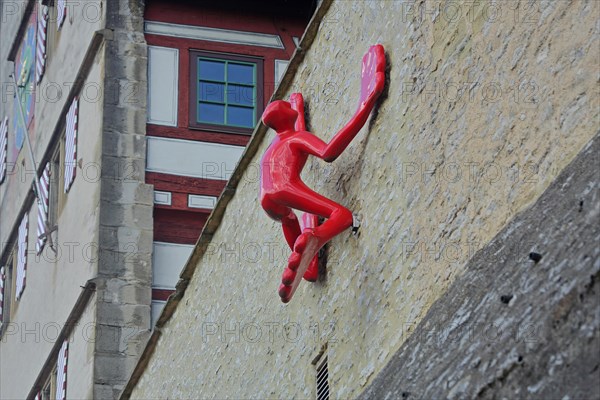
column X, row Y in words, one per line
column 322, row 378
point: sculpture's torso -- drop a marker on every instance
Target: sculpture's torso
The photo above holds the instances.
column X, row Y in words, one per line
column 281, row 165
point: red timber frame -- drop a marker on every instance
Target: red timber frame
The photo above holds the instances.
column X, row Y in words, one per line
column 178, row 223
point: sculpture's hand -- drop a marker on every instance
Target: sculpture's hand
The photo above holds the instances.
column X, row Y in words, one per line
column 373, row 74
column 297, row 103
column 372, row 84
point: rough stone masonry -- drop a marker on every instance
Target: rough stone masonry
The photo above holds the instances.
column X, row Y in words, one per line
column 123, row 287
column 486, row 104
column 523, row 320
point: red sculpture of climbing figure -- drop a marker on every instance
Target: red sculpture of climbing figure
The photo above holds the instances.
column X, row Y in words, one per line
column 282, row 188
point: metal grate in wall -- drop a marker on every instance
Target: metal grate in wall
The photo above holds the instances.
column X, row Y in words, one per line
column 322, row 379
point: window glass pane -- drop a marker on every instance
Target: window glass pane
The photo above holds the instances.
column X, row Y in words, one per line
column 226, row 91
column 208, row 91
column 243, row 95
column 240, row 73
column 240, row 116
column 211, row 70
column 211, row 113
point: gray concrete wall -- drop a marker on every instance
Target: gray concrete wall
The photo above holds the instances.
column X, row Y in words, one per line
column 66, row 51
column 80, row 367
column 510, row 327
column 105, row 221
column 54, row 281
column 10, row 200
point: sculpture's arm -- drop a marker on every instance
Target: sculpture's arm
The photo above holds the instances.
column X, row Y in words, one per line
column 342, row 139
column 306, row 142
column 311, row 144
column 372, row 83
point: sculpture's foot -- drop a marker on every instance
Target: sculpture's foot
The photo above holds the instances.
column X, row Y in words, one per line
column 305, row 249
column 289, row 274
column 294, row 261
column 284, row 293
column 303, row 240
column 312, row 272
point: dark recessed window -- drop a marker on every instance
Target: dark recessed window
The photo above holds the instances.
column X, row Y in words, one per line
column 225, row 92
column 323, row 379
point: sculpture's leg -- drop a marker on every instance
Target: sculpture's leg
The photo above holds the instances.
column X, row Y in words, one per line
column 338, row 217
column 310, row 221
column 291, row 232
column 337, row 222
column 307, row 220
column 291, row 228
column 310, row 241
column 285, row 215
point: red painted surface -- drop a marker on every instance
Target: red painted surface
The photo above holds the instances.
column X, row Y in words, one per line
column 244, row 16
column 176, row 226
column 310, row 221
column 161, row 294
column 193, row 134
column 185, row 184
column 190, row 14
column 178, row 223
column 282, row 188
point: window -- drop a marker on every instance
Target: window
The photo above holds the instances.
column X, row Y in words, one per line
column 2, row 280
column 6, row 287
column 25, row 79
column 226, row 92
column 61, row 372
column 47, row 218
column 61, row 13
column 41, row 42
column 3, row 148
column 43, row 208
column 22, row 257
column 322, row 379
column 49, row 390
column 71, row 144
column 54, row 190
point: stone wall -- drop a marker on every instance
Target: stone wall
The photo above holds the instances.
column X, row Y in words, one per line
column 125, row 254
column 511, row 326
column 486, row 103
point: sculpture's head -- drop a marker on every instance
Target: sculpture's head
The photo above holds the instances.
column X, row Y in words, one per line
column 280, row 116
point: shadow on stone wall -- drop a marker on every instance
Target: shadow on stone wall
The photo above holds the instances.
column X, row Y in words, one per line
column 514, row 325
